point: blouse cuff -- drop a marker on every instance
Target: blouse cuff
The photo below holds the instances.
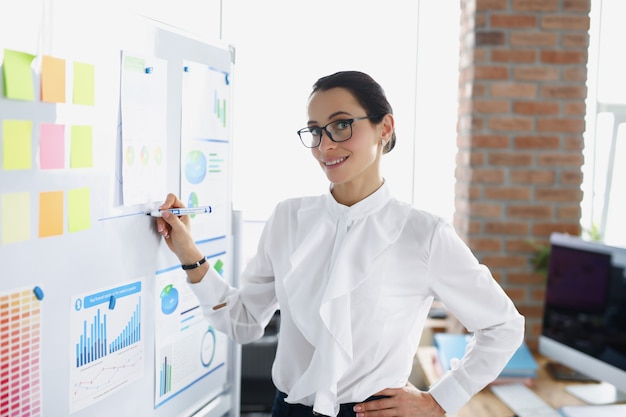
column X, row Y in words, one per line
column 449, row 394
column 212, row 290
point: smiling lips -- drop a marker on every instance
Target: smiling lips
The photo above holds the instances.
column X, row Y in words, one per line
column 334, row 162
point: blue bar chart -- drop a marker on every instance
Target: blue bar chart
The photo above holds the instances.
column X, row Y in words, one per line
column 107, row 344
column 131, row 332
column 92, row 344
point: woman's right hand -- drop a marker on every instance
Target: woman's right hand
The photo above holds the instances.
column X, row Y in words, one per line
column 177, row 233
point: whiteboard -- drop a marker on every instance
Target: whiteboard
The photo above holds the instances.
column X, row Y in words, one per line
column 95, row 315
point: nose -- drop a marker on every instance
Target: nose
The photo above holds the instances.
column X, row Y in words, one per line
column 325, row 142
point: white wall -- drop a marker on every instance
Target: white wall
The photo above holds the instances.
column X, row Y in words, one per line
column 283, row 47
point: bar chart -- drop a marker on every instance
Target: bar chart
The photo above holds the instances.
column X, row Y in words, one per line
column 107, row 343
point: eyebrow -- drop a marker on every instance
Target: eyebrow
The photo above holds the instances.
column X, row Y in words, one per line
column 335, row 114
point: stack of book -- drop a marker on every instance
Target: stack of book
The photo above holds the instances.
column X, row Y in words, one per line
column 521, row 368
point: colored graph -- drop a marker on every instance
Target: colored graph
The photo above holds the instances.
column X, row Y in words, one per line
column 165, row 375
column 107, row 349
column 131, row 332
column 20, row 354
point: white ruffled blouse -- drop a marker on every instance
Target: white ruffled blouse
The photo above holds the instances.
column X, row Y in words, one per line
column 354, row 286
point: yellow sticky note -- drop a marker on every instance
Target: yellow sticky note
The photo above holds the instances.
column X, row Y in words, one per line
column 52, row 79
column 84, row 84
column 15, row 217
column 79, row 209
column 16, row 144
column 18, row 76
column 50, row 213
column 81, row 147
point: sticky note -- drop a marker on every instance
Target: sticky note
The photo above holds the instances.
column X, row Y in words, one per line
column 79, row 209
column 15, row 217
column 50, row 213
column 18, row 76
column 84, row 84
column 81, row 152
column 16, row 144
column 52, row 79
column 51, row 146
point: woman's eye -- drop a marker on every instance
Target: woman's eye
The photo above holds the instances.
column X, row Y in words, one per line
column 342, row 124
column 315, row 131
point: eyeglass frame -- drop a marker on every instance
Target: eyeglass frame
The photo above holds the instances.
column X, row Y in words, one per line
column 323, row 129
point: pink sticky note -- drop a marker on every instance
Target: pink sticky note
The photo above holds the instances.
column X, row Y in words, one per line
column 52, row 146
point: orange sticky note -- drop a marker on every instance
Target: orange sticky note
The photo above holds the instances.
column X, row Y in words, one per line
column 52, row 80
column 50, row 213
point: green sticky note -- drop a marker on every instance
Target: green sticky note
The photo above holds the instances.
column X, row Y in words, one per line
column 84, row 84
column 16, row 144
column 79, row 209
column 81, row 147
column 15, row 217
column 18, row 77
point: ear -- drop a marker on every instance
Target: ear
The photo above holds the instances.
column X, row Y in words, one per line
column 387, row 126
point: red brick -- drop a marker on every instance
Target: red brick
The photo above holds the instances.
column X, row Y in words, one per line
column 569, row 212
column 538, row 39
column 489, row 5
column 529, row 212
column 510, row 159
column 546, row 229
column 536, row 5
column 485, row 244
column 565, row 22
column 507, row 261
column 536, row 142
column 515, row 90
column 514, row 55
column 564, row 92
column 560, row 159
column 575, row 40
column 532, row 177
column 536, row 107
column 507, row 193
column 485, row 210
column 492, row 106
column 490, row 141
column 561, row 125
column 513, row 21
column 489, row 176
column 519, row 124
column 507, row 228
column 559, row 195
column 563, row 57
column 536, row 73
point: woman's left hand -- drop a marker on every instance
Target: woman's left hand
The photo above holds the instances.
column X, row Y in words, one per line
column 405, row 401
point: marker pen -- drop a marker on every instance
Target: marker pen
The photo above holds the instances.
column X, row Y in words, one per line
column 181, row 211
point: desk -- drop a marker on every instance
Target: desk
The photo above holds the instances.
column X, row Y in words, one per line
column 486, row 404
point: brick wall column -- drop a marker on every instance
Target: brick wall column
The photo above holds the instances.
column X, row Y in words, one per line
column 522, row 90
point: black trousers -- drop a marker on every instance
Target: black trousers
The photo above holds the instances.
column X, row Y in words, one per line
column 283, row 409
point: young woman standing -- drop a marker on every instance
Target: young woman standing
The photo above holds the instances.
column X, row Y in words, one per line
column 354, row 273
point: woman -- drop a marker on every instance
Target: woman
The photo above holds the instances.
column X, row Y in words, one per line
column 354, row 273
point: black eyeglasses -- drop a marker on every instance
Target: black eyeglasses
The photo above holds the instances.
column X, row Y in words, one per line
column 337, row 131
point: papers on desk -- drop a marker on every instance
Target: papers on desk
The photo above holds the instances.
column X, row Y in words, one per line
column 522, row 367
column 612, row 410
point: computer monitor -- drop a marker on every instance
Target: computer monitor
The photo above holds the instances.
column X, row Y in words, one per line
column 584, row 322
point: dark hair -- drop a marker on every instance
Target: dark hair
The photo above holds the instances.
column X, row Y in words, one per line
column 367, row 92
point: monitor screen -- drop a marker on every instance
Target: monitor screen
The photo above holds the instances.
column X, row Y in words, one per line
column 584, row 322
